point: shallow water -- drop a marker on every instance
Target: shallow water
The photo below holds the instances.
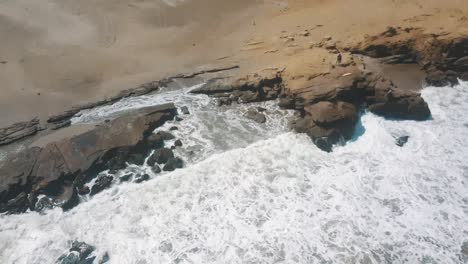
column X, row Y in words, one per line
column 254, row 193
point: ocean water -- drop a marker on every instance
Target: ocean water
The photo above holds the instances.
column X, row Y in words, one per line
column 257, row 193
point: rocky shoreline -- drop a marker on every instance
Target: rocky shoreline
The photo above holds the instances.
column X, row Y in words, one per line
column 328, row 105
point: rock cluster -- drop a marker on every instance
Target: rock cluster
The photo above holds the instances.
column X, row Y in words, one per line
column 444, row 59
column 61, row 168
column 81, row 253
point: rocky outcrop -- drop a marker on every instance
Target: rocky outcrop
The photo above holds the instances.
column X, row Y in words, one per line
column 19, row 131
column 59, row 168
column 327, row 123
column 444, row 58
column 262, row 86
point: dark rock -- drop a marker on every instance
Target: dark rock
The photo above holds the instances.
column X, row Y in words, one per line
column 165, row 135
column 101, row 183
column 126, row 177
column 141, row 178
column 69, row 198
column 327, row 123
column 71, row 258
column 185, row 110
column 401, row 104
column 401, row 141
column 44, row 204
column 437, row 78
column 156, row 169
column 224, row 101
column 261, row 109
column 17, row 205
column 71, row 160
column 155, row 141
column 173, row 128
column 166, row 247
column 137, row 159
column 178, row 119
column 160, row 156
column 104, row 258
column 464, row 77
column 172, row 164
column 255, row 116
column 83, row 249
column 462, row 63
column 84, row 190
column 178, row 143
column 118, row 160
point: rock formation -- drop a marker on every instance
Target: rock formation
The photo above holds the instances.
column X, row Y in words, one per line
column 59, row 168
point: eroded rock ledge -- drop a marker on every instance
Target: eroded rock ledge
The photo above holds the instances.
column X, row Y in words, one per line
column 60, row 169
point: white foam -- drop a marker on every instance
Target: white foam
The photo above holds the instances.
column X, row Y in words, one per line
column 281, row 200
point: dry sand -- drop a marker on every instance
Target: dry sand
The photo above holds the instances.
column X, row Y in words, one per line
column 58, row 53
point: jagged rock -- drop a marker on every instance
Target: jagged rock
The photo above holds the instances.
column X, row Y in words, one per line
column 137, row 159
column 255, row 116
column 178, row 143
column 125, row 177
column 402, row 104
column 63, row 116
column 327, row 123
column 173, row 164
column 71, row 258
column 178, row 119
column 19, row 131
column 17, row 205
column 84, row 190
column 461, row 63
column 264, row 85
column 141, row 178
column 224, row 101
column 165, row 135
column 156, row 169
column 401, row 141
column 185, row 110
column 61, row 124
column 83, row 249
column 173, row 128
column 160, row 156
column 71, row 160
column 118, row 160
column 44, row 204
column 101, row 183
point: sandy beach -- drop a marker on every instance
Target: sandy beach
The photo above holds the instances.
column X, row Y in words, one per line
column 60, row 53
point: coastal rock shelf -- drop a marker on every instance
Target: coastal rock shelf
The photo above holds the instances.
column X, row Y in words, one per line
column 60, row 168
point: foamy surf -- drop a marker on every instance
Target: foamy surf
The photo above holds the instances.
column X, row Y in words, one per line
column 276, row 198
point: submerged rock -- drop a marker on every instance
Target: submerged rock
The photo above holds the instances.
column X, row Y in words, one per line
column 125, row 177
column 255, row 116
column 101, row 183
column 141, row 178
column 185, row 110
column 44, row 204
column 401, row 141
column 173, row 164
column 80, row 253
column 156, row 169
